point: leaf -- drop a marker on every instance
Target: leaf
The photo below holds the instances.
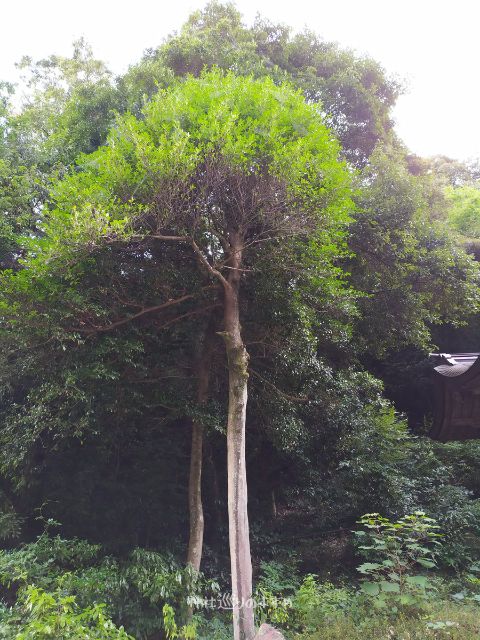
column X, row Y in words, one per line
column 379, row 603
column 371, row 588
column 425, row 562
column 367, row 567
column 390, row 587
column 394, row 576
column 418, row 581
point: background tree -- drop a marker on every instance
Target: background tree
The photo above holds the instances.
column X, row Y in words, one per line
column 355, row 92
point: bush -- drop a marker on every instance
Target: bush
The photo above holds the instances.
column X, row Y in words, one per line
column 40, row 615
column 315, row 605
column 397, row 552
column 133, row 590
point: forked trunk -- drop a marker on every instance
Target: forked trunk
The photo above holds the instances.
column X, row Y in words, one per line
column 239, row 538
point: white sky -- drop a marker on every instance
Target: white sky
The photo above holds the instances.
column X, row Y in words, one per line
column 432, row 44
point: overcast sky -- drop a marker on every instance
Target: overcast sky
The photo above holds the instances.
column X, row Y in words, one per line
column 432, row 44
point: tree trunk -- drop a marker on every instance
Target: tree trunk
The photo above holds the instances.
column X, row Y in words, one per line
column 273, row 504
column 237, row 356
column 195, row 506
column 195, row 503
column 215, row 498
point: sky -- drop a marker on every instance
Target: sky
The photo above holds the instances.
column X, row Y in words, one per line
column 431, row 45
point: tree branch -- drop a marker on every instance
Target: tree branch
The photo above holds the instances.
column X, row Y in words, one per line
column 135, row 316
column 188, row 314
column 287, row 396
column 198, row 252
column 214, row 272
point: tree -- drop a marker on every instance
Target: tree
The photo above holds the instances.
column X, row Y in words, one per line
column 355, row 92
column 236, row 171
column 68, row 108
column 464, row 214
column 412, row 271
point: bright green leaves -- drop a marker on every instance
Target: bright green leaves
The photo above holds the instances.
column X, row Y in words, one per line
column 464, row 214
column 254, row 126
column 371, row 588
column 154, row 172
column 367, row 567
column 354, row 92
column 399, row 549
column 47, row 615
column 208, row 156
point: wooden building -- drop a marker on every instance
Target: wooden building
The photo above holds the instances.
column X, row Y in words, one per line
column 457, row 396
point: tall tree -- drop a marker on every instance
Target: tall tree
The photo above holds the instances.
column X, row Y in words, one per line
column 236, row 171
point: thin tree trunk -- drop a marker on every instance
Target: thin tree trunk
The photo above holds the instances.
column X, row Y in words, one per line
column 273, row 504
column 195, row 506
column 241, row 563
column 215, row 496
column 195, row 503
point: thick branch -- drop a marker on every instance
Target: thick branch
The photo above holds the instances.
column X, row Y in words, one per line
column 157, row 236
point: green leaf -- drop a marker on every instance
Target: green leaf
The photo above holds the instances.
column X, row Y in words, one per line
column 368, row 567
column 371, row 588
column 418, row 581
column 390, row 587
column 425, row 562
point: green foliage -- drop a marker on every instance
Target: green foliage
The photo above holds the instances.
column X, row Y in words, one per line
column 19, row 198
column 443, row 621
column 249, row 126
column 97, row 393
column 216, row 628
column 278, row 577
column 398, row 550
column 69, row 108
column 356, row 93
column 316, row 605
column 413, row 272
column 139, row 592
column 186, row 631
column 42, row 615
column 464, row 213
column 274, row 588
column 42, row 561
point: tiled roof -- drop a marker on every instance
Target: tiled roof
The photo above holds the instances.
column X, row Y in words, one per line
column 454, row 364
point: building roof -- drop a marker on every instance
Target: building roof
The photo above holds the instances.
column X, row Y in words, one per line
column 457, row 396
column 454, row 364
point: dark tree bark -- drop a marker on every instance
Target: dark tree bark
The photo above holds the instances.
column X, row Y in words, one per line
column 273, row 504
